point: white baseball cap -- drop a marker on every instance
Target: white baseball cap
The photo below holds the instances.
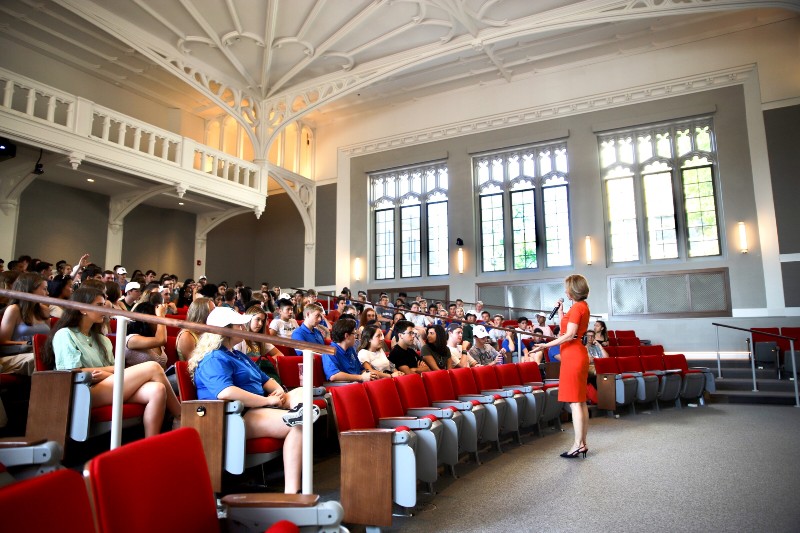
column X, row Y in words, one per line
column 479, row 331
column 225, row 316
column 133, row 285
column 121, row 270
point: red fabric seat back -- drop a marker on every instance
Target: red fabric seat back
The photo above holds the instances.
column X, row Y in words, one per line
column 652, row 362
column 171, row 349
column 611, row 350
column 384, row 399
column 676, row 362
column 529, row 372
column 411, row 390
column 766, row 338
column 463, row 382
column 627, row 364
column 655, row 349
column 628, row 341
column 39, row 341
column 351, row 405
column 186, row 386
column 438, row 386
column 611, row 334
column 507, row 375
column 156, row 484
column 288, row 370
column 485, row 378
column 172, row 331
column 285, row 350
column 784, row 343
column 57, row 501
column 628, row 351
column 606, row 365
column 510, row 323
column 624, row 333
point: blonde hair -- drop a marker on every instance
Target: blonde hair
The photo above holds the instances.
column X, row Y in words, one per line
column 310, row 308
column 577, row 287
column 207, row 343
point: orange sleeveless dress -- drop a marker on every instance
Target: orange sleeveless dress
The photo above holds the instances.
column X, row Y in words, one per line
column 574, row 357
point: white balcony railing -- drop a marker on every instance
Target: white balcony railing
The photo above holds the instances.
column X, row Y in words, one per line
column 40, row 102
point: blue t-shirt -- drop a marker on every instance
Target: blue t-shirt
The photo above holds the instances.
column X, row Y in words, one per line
column 342, row 361
column 306, row 335
column 222, row 368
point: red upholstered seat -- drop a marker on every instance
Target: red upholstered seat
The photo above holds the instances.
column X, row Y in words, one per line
column 263, row 445
column 171, row 349
column 628, row 351
column 463, row 381
column 154, row 484
column 129, row 410
column 611, row 349
column 652, row 362
column 678, row 362
column 411, row 391
column 628, row 341
column 39, row 341
column 655, row 349
column 529, row 372
column 384, row 399
column 350, row 405
column 289, row 371
column 57, row 501
column 606, row 365
column 625, row 333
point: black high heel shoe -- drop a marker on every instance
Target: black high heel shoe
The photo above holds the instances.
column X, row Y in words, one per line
column 576, row 453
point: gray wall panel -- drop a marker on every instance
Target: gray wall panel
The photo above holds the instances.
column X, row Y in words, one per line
column 783, row 138
column 326, row 235
column 57, row 222
column 159, row 239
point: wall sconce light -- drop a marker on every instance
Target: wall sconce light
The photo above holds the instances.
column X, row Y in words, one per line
column 460, row 256
column 742, row 238
column 357, row 272
column 588, row 246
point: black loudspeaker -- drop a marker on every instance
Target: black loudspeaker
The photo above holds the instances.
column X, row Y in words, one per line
column 8, row 149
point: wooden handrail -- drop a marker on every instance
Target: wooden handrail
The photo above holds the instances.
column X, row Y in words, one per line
column 140, row 317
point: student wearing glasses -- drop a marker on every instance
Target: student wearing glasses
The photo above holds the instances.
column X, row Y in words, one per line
column 344, row 364
column 403, row 355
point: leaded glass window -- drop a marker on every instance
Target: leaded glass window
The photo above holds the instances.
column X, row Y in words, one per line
column 410, row 203
column 660, row 191
column 523, row 201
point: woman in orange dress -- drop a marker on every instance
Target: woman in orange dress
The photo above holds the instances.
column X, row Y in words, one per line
column 574, row 360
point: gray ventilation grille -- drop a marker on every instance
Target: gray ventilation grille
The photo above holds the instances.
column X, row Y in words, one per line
column 687, row 294
column 532, row 294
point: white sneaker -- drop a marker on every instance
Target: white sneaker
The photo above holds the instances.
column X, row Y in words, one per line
column 294, row 417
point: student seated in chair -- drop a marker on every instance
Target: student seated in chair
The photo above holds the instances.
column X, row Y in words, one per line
column 222, row 373
column 403, row 355
column 344, row 365
column 77, row 342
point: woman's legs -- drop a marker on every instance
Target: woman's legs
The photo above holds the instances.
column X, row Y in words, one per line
column 156, row 396
column 269, row 423
column 580, row 422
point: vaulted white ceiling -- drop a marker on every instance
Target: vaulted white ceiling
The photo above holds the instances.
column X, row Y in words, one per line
column 267, row 62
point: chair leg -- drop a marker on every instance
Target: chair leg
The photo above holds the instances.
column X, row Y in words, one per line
column 477, row 458
column 453, row 471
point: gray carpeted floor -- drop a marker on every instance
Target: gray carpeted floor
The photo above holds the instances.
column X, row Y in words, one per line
column 716, row 468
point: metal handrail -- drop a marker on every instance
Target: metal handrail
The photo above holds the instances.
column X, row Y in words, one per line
column 752, row 356
column 119, row 365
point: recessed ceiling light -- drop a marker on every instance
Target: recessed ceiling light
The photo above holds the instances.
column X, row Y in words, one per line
column 90, row 180
column 180, row 203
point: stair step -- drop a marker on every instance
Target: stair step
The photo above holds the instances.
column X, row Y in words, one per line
column 750, row 397
column 746, row 384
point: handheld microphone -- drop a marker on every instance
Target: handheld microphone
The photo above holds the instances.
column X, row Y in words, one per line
column 555, row 309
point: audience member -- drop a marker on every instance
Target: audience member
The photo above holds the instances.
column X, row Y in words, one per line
column 187, row 293
column 59, row 287
column 22, row 319
column 459, row 356
column 541, row 318
column 434, row 352
column 132, row 292
column 77, row 342
column 403, row 355
column 593, row 346
column 308, row 330
column 284, row 324
column 259, row 350
column 601, row 332
column 483, row 351
column 145, row 341
column 372, row 354
column 223, row 373
column 344, row 365
column 186, row 340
